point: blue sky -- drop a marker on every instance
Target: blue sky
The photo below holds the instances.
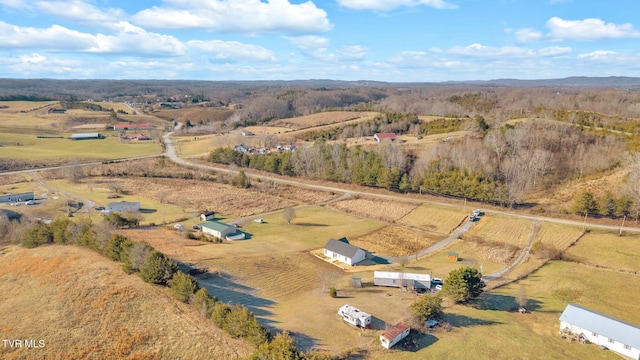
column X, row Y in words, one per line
column 383, row 40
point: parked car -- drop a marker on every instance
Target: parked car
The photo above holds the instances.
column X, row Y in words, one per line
column 196, row 227
column 473, row 218
column 437, row 281
column 259, row 221
column 477, row 212
column 31, row 202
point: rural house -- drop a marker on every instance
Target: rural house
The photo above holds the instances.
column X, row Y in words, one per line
column 379, row 137
column 354, row 316
column 26, row 196
column 123, row 206
column 400, row 279
column 217, row 229
column 344, row 252
column 394, row 335
column 605, row 331
column 208, row 215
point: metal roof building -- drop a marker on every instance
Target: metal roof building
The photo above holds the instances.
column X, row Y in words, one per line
column 400, row 279
column 603, row 330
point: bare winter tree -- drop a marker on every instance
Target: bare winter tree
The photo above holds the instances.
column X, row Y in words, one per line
column 521, row 298
column 289, row 214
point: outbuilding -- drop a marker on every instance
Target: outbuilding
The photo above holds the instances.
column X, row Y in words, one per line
column 208, row 215
column 85, row 136
column 26, row 196
column 344, row 252
column 394, row 335
column 380, row 137
column 217, row 229
column 123, row 206
column 603, row 330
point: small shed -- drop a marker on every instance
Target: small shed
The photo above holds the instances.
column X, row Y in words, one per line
column 356, row 280
column 394, row 335
column 208, row 215
column 452, row 256
column 178, row 227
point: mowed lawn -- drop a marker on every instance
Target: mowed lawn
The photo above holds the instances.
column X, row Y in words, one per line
column 29, row 147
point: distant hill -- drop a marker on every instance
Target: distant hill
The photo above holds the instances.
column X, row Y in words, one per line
column 83, row 306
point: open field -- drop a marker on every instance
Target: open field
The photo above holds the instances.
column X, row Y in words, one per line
column 87, row 307
column 440, row 220
column 322, row 118
column 608, row 250
column 376, row 209
column 395, row 240
column 501, row 229
column 556, row 235
column 25, row 106
column 28, row 147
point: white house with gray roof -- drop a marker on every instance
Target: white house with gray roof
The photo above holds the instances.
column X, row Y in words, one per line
column 344, row 252
column 605, row 331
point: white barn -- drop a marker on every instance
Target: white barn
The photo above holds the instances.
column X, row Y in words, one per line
column 354, row 316
column 208, row 215
column 400, row 279
column 394, row 335
column 344, row 252
column 217, row 229
column 608, row 332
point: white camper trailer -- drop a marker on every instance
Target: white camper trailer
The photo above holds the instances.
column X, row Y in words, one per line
column 354, row 316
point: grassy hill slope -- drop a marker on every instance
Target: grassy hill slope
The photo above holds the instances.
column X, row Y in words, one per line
column 84, row 306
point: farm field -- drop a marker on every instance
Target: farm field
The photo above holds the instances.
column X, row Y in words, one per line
column 556, row 235
column 608, row 250
column 395, row 240
column 377, row 209
column 87, row 307
column 18, row 106
column 28, row 147
column 437, row 219
column 501, row 229
column 322, row 118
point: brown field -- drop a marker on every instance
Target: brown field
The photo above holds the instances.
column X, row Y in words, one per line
column 322, row 118
column 267, row 129
column 501, row 229
column 437, row 219
column 376, row 209
column 84, row 306
column 559, row 236
column 195, row 114
column 395, row 240
column 24, row 106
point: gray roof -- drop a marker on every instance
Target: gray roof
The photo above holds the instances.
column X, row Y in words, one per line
column 601, row 324
column 216, row 225
column 341, row 248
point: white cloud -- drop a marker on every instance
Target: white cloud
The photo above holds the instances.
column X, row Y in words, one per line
column 15, row 4
column 232, row 50
column 35, row 64
column 82, row 12
column 588, row 29
column 478, row 50
column 386, row 5
column 528, row 35
column 312, row 45
column 128, row 39
column 244, row 16
column 599, row 55
column 355, row 52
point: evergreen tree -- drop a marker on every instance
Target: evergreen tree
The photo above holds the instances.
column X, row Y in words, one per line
column 157, row 268
column 427, row 307
column 183, row 286
column 464, row 284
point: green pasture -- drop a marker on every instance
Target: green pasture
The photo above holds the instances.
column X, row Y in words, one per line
column 29, row 147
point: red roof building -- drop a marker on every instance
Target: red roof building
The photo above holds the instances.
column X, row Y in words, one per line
column 394, row 335
column 140, row 126
column 384, row 136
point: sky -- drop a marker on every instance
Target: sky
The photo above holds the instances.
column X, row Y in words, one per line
column 379, row 40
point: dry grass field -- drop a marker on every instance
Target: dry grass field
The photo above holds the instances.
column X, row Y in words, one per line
column 322, row 118
column 436, row 219
column 395, row 240
column 85, row 307
column 195, row 114
column 556, row 235
column 376, row 209
column 24, row 106
column 608, row 250
column 501, row 229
